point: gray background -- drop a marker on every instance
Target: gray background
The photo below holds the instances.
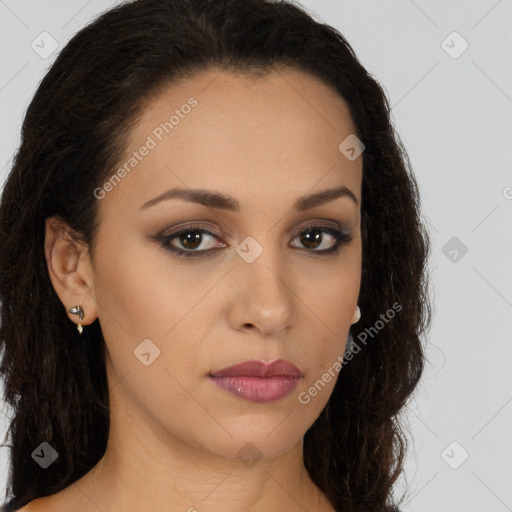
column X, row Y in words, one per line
column 453, row 111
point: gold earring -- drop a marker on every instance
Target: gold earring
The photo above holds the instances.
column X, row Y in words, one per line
column 78, row 310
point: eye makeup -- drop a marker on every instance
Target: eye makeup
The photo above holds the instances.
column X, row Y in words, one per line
column 193, row 236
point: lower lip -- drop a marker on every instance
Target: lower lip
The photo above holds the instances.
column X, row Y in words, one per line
column 257, row 389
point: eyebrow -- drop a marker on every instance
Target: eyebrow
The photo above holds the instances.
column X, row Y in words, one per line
column 214, row 199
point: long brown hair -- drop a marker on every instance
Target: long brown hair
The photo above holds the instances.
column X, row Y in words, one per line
column 73, row 137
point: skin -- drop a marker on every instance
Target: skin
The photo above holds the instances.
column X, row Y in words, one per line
column 174, row 436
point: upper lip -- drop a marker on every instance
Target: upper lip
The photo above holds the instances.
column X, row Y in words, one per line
column 256, row 368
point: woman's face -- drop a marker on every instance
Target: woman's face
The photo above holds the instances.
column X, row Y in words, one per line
column 256, row 285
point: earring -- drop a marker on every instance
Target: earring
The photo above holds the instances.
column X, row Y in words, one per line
column 357, row 315
column 78, row 310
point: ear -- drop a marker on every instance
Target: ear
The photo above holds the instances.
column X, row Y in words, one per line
column 69, row 267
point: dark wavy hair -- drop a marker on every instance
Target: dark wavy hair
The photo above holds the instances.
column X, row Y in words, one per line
column 73, row 137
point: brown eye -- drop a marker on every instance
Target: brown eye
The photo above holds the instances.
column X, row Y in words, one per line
column 191, row 241
column 314, row 237
column 188, row 241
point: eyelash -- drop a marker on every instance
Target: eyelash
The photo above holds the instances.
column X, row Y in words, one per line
column 339, row 236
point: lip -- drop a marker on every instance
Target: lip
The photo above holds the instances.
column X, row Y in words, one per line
column 258, row 381
column 254, row 368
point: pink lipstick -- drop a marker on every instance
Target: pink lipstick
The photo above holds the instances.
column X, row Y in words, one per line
column 258, row 381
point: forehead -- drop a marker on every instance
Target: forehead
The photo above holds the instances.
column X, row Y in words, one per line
column 275, row 135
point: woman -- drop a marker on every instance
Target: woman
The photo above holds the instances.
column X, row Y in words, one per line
column 212, row 269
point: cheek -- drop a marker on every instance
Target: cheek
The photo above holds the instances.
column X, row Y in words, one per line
column 137, row 296
column 330, row 310
column 146, row 309
column 141, row 295
column 329, row 325
column 129, row 301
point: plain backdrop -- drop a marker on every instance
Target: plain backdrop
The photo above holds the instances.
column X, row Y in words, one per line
column 446, row 68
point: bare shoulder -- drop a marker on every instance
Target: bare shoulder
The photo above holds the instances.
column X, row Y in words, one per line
column 28, row 508
column 38, row 505
column 74, row 497
column 60, row 502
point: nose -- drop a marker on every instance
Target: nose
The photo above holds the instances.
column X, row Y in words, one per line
column 262, row 295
